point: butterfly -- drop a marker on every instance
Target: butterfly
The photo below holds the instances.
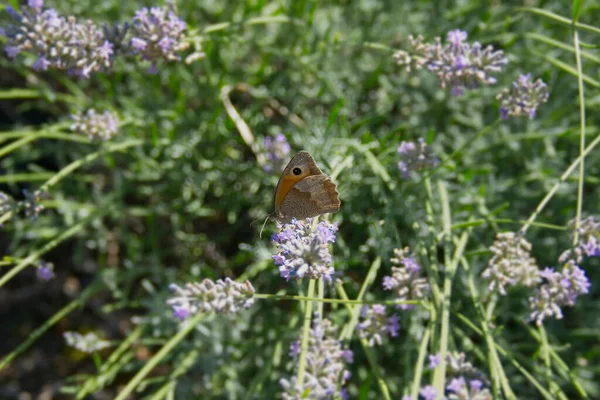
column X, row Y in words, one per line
column 303, row 191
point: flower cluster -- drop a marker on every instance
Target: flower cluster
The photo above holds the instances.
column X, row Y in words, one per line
column 45, row 271
column 511, row 263
column 375, row 324
column 277, row 149
column 304, row 252
column 6, row 203
column 222, row 296
column 406, row 279
column 89, row 343
column 416, row 57
column 415, row 157
column 324, row 365
column 560, row 289
column 588, row 240
column 523, row 98
column 31, row 203
column 58, row 42
column 458, row 64
column 96, row 126
column 81, row 48
column 157, row 34
column 464, row 381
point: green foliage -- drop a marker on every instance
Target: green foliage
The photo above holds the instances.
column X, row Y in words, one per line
column 180, row 194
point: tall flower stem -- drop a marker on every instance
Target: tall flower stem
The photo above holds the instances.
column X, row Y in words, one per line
column 581, row 134
column 308, row 305
column 556, row 186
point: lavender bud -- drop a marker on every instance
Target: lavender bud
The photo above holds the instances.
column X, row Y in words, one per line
column 511, row 263
column 277, row 149
column 304, row 252
column 222, row 296
column 96, row 126
column 158, row 34
column 89, row 343
column 45, row 271
column 407, row 279
column 523, row 98
column 375, row 324
column 324, row 364
column 560, row 289
column 415, row 157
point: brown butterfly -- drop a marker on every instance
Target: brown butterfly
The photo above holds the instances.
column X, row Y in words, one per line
column 303, row 191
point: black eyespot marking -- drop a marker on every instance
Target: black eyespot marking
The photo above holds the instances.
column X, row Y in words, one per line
column 297, row 171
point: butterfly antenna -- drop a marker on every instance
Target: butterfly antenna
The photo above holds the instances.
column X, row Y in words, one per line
column 263, row 227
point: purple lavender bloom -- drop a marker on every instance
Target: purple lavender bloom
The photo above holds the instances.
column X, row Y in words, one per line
column 375, row 325
column 406, row 279
column 181, row 313
column 277, row 149
column 45, row 271
column 456, row 384
column 560, row 290
column 31, row 204
column 524, row 98
column 511, row 263
column 434, row 361
column 588, row 240
column 158, row 34
column 222, row 296
column 304, row 252
column 59, row 42
column 415, row 156
column 325, row 368
column 458, row 64
column 96, row 126
column 428, row 392
column 476, row 384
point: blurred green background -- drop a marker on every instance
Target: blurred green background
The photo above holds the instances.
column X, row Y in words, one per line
column 180, row 206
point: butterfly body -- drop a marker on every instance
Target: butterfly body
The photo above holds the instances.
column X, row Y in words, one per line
column 303, row 191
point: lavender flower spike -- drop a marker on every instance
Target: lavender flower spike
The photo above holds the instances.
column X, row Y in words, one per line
column 523, row 98
column 222, row 296
column 561, row 289
column 89, row 343
column 324, row 364
column 415, row 157
column 304, row 252
column 407, row 279
column 58, row 42
column 157, row 34
column 375, row 324
column 96, row 126
column 277, row 149
column 511, row 263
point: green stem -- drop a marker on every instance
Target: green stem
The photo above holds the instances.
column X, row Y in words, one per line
column 186, row 328
column 16, row 144
column 49, row 246
column 581, row 135
column 305, row 333
column 556, row 186
column 89, row 158
column 333, row 301
column 368, row 351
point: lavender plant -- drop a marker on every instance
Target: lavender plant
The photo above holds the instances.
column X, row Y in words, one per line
column 415, row 157
column 406, row 280
column 304, row 252
column 222, row 296
column 96, row 126
column 325, row 369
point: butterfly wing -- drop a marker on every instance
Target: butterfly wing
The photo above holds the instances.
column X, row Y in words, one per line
column 302, row 161
column 312, row 196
